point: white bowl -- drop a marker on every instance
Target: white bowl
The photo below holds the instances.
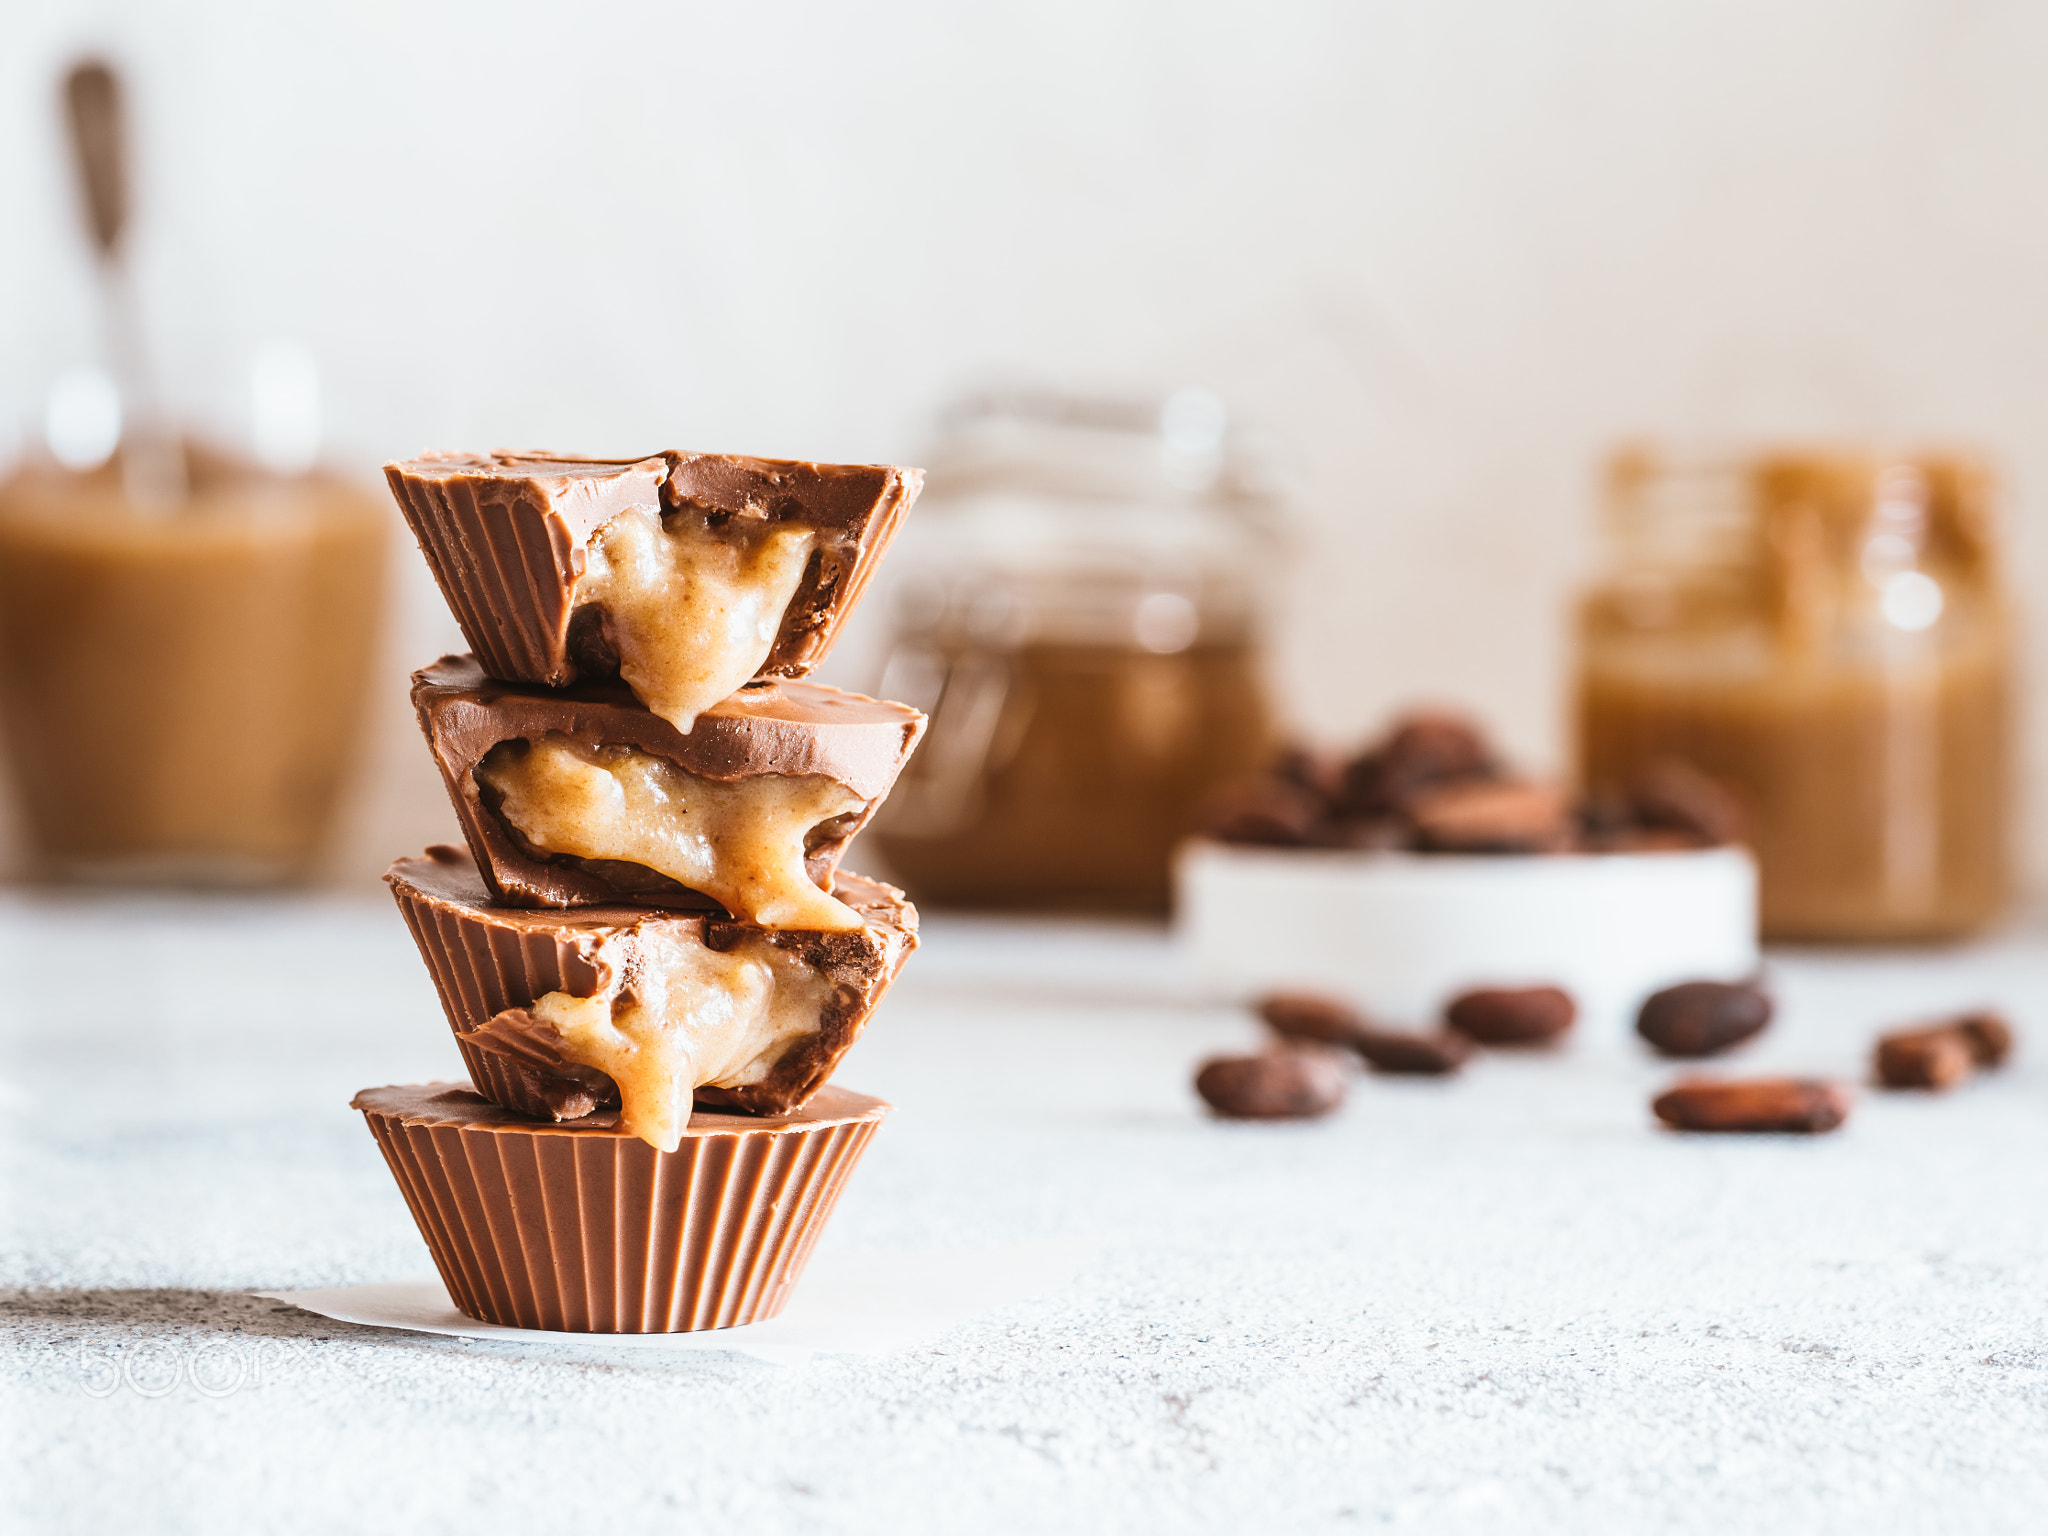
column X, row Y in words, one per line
column 1400, row 934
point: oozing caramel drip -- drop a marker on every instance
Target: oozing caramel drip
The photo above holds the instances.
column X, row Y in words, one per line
column 739, row 842
column 693, row 612
column 679, row 1017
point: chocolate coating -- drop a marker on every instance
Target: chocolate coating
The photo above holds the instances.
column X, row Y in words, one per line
column 588, row 1229
column 774, row 727
column 506, row 535
column 490, row 963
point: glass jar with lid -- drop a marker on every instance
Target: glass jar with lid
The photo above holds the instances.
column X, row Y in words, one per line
column 1078, row 607
column 1827, row 633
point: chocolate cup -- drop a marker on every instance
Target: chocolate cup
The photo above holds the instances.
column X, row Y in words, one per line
column 771, row 728
column 536, row 1089
column 506, row 535
column 584, row 1228
column 487, row 960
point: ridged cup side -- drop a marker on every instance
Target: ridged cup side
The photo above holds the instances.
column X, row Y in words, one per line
column 504, row 1081
column 597, row 1232
column 504, row 568
column 480, row 969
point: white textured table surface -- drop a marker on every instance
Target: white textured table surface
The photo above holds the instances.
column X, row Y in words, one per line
column 1500, row 1304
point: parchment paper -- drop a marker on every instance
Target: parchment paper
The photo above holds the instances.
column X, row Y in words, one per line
column 846, row 1303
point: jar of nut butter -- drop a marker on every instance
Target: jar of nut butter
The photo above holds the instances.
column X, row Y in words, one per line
column 182, row 687
column 1827, row 634
column 1079, row 612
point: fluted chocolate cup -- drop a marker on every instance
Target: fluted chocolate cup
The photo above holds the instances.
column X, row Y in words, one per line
column 490, row 964
column 583, row 1228
column 507, row 536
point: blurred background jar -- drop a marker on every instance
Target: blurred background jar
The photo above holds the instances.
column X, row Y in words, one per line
column 182, row 682
column 1078, row 607
column 1827, row 633
column 186, row 633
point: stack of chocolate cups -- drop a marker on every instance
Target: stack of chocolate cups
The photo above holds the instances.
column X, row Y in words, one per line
column 648, row 952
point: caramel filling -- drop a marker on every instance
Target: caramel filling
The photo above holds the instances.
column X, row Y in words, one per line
column 680, row 1017
column 693, row 612
column 740, row 842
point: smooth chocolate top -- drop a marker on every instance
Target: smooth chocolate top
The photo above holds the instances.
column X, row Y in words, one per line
column 591, row 492
column 768, row 727
column 505, row 533
column 774, row 727
column 584, row 493
column 458, row 1105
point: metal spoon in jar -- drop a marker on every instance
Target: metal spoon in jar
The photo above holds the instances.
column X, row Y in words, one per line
column 152, row 459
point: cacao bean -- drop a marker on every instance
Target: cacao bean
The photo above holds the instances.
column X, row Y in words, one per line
column 1263, row 811
column 1507, row 816
column 1320, row 773
column 1312, row 1016
column 1329, row 1021
column 1416, row 1055
column 1283, row 1084
column 1937, row 1057
column 1512, row 1015
column 1942, row 1054
column 1990, row 1037
column 1422, row 750
column 1675, row 796
column 1783, row 1104
column 1703, row 1018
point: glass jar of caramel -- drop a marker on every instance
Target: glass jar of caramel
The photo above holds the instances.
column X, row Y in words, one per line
column 1078, row 610
column 182, row 688
column 1826, row 633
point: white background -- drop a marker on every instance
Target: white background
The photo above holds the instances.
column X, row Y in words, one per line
column 1451, row 250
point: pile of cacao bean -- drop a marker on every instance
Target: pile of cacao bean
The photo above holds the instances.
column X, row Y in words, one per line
column 1434, row 784
column 1316, row 1042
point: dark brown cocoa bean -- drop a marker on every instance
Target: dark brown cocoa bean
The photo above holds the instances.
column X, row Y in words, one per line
column 1423, row 749
column 1937, row 1057
column 1320, row 773
column 1329, row 1021
column 1512, row 1015
column 1264, row 810
column 1782, row 1104
column 1312, row 1016
column 1990, row 1037
column 1674, row 796
column 1506, row 816
column 1703, row 1018
column 1942, row 1054
column 1282, row 1084
column 1418, row 1055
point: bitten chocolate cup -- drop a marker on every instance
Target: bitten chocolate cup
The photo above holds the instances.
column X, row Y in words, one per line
column 492, row 964
column 585, row 1229
column 772, row 731
column 509, row 537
